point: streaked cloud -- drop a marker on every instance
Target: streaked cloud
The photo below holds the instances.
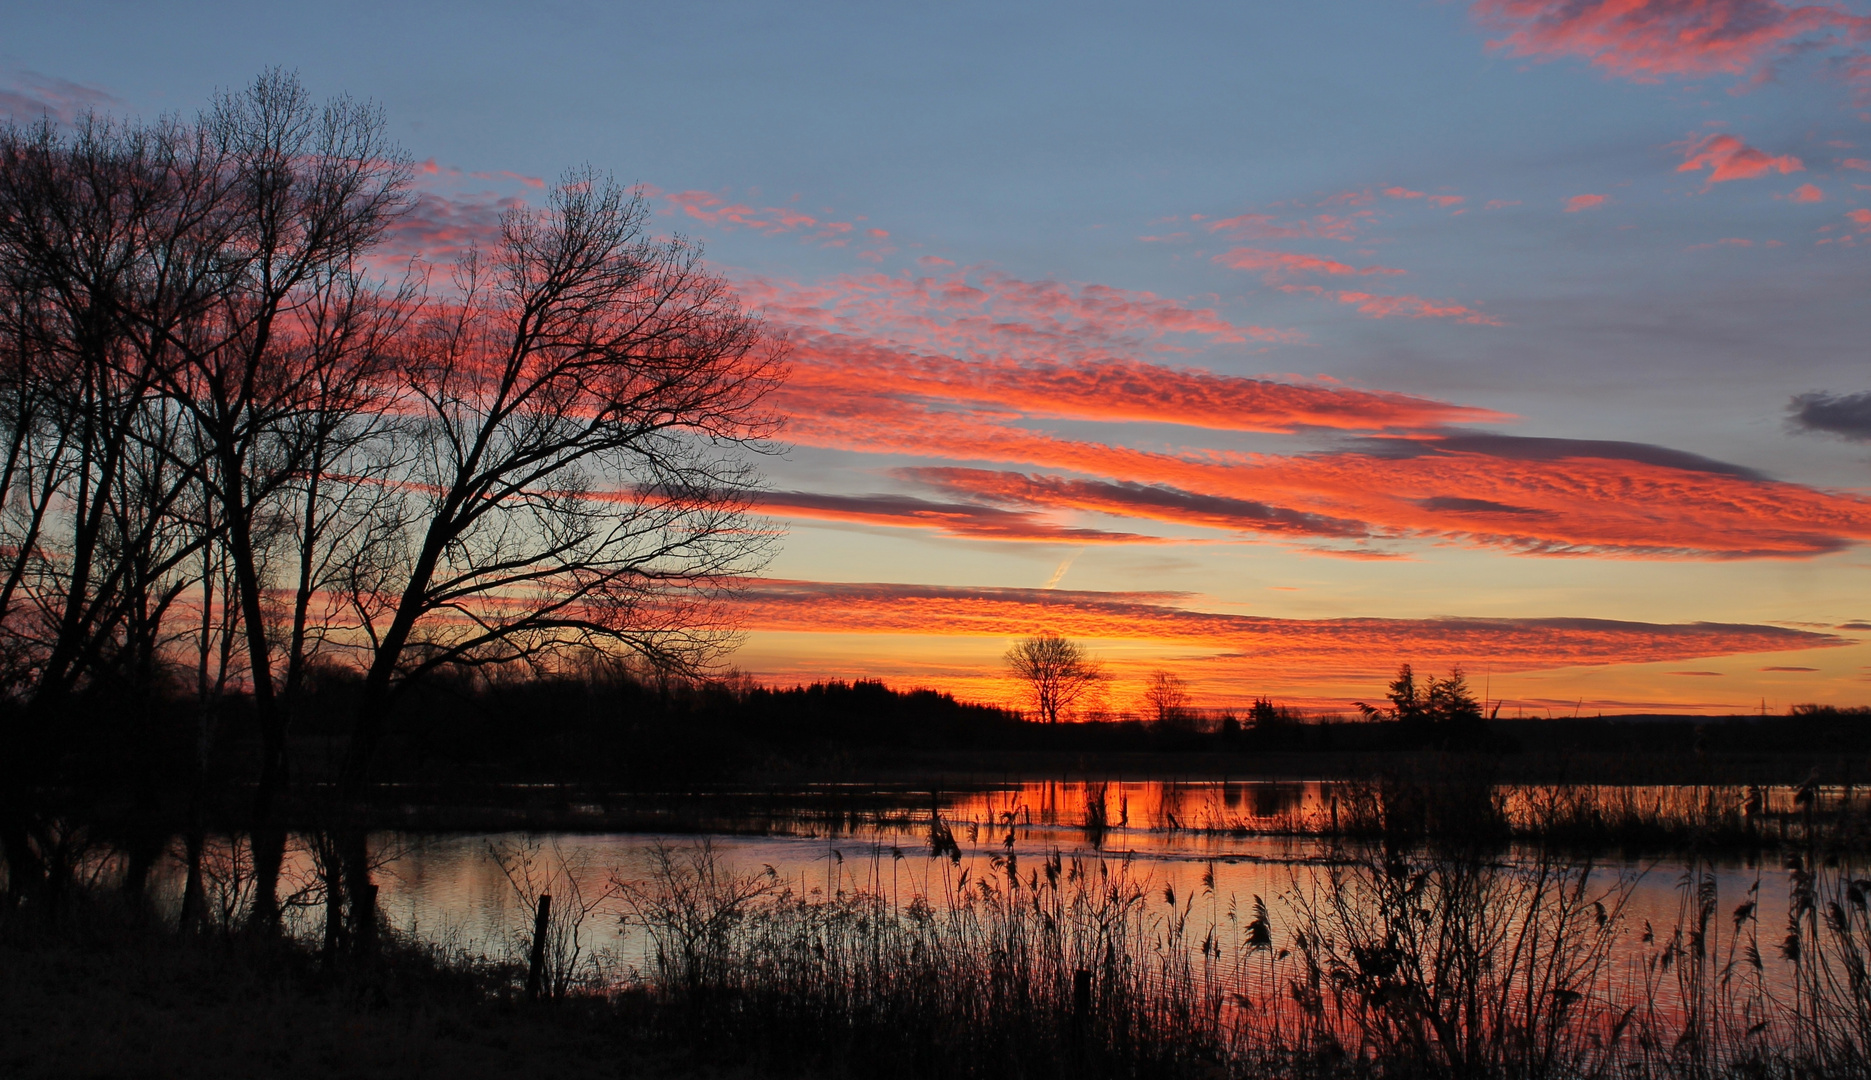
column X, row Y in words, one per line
column 1585, row 202
column 1322, row 647
column 1157, row 502
column 969, row 520
column 1529, row 496
column 836, row 374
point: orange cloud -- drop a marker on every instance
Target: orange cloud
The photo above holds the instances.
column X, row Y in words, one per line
column 1648, row 40
column 1728, row 158
column 1320, row 647
column 1861, row 218
column 958, row 368
column 1807, row 193
column 1526, row 495
column 1585, row 202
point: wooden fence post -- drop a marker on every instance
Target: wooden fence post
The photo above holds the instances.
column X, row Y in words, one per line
column 536, row 969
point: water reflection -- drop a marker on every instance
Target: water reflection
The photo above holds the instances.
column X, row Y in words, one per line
column 1228, row 841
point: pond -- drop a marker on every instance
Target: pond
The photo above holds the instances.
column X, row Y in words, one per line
column 1218, row 845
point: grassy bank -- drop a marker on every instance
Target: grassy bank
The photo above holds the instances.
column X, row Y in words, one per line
column 107, row 991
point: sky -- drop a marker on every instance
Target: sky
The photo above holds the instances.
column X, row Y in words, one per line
column 1270, row 345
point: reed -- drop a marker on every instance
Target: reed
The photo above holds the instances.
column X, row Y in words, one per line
column 1444, row 960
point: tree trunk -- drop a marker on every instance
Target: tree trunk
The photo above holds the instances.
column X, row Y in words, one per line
column 194, row 894
column 360, row 889
column 269, row 854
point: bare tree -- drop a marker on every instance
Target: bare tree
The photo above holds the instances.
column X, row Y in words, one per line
column 1166, row 696
column 578, row 410
column 1056, row 671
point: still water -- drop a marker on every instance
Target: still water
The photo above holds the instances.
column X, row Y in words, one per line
column 1216, row 846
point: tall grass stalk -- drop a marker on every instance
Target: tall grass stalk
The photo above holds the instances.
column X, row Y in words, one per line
column 1447, row 960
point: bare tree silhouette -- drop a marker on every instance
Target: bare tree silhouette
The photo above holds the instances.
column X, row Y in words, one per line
column 1056, row 671
column 1166, row 696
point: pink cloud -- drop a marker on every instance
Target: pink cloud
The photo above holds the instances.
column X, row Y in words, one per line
column 1856, row 163
column 1728, row 158
column 1280, row 264
column 1267, row 227
column 1861, row 218
column 971, row 313
column 1807, row 193
column 1434, row 200
column 1585, row 202
column 1649, row 40
column 505, row 174
column 1414, row 307
column 1497, row 204
column 1279, row 267
column 712, row 209
column 442, row 226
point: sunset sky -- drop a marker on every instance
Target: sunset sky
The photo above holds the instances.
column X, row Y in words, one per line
column 1271, row 344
